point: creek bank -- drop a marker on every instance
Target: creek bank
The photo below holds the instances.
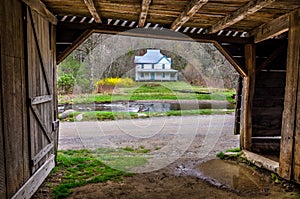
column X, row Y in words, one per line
column 149, row 105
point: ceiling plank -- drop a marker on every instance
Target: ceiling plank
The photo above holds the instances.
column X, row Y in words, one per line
column 144, row 11
column 271, row 29
column 40, row 8
column 92, row 9
column 240, row 14
column 191, row 9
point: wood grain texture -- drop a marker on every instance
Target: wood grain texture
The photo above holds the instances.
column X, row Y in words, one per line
column 248, row 93
column 188, row 13
column 13, row 103
column 295, row 20
column 40, row 7
column 289, row 118
column 271, row 29
column 35, row 181
column 243, row 12
column 40, row 62
column 92, row 9
column 144, row 11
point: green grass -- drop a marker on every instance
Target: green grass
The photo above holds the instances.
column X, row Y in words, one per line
column 234, row 150
column 107, row 115
column 152, row 91
column 80, row 167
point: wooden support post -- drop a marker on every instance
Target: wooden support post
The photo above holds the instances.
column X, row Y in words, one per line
column 238, row 99
column 290, row 132
column 248, row 92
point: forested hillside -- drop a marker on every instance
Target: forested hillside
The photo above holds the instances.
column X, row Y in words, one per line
column 102, row 56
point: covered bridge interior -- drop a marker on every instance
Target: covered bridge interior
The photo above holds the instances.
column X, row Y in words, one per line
column 260, row 38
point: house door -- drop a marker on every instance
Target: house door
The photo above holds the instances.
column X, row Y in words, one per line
column 152, row 76
column 42, row 114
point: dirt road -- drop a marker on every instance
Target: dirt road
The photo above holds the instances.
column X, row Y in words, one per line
column 183, row 150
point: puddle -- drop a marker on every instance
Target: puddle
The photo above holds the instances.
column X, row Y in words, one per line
column 234, row 177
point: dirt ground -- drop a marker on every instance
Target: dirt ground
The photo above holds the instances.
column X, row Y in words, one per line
column 182, row 178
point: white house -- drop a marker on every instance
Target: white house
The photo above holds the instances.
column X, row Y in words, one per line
column 154, row 66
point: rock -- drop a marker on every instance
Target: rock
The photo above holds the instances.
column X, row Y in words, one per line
column 142, row 115
column 66, row 114
column 79, row 117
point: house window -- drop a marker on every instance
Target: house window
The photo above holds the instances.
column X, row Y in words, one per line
column 142, row 75
column 142, row 66
column 163, row 66
column 152, row 66
column 163, row 75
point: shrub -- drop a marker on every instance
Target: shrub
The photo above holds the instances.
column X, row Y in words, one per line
column 65, row 84
column 109, row 83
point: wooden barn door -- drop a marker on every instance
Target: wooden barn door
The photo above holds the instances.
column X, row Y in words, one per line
column 42, row 105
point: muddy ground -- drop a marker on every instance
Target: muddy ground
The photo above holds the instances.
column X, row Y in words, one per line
column 195, row 173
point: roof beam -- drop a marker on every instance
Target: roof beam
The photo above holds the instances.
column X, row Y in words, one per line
column 240, row 14
column 191, row 9
column 158, row 34
column 92, row 9
column 144, row 11
column 271, row 29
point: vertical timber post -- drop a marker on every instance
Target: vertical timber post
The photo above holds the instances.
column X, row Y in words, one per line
column 248, row 92
column 289, row 164
column 238, row 99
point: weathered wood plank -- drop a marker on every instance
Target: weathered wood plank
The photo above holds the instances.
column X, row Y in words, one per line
column 35, row 181
column 238, row 99
column 92, row 9
column 40, row 55
column 13, row 106
column 144, row 11
column 243, row 12
column 42, row 153
column 261, row 161
column 2, row 152
column 38, row 117
column 291, row 91
column 40, row 8
column 188, row 13
column 248, row 93
column 295, row 30
column 41, row 99
column 271, row 29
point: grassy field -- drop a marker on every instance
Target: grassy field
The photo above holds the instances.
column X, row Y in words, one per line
column 77, row 168
column 153, row 91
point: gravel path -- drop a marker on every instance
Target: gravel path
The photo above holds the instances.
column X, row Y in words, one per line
column 189, row 136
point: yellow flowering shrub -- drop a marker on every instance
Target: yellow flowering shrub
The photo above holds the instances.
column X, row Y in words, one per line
column 111, row 82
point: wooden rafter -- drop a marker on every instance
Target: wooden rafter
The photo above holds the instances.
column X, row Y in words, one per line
column 271, row 29
column 144, row 11
column 92, row 9
column 191, row 9
column 243, row 12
